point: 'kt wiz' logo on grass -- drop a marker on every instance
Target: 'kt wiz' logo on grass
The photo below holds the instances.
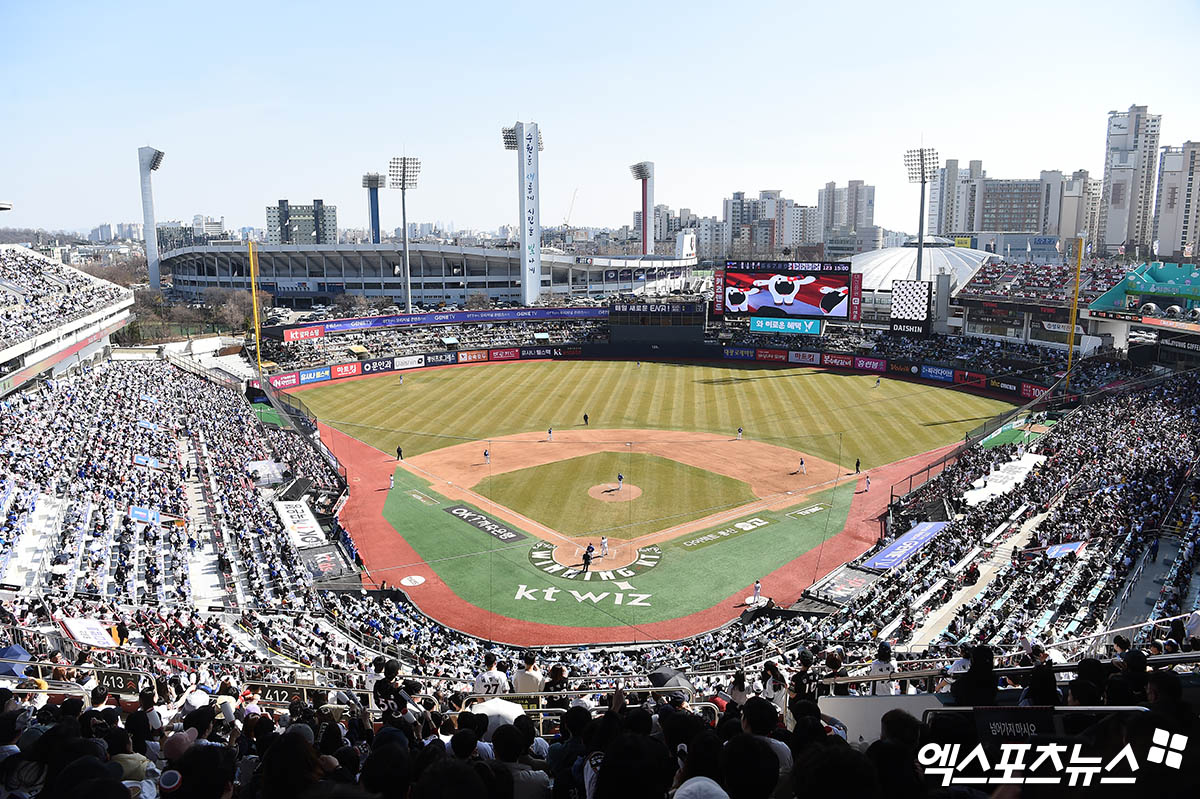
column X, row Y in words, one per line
column 541, row 555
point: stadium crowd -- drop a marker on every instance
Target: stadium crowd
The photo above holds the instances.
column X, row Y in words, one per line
column 1053, row 283
column 417, row 340
column 40, row 294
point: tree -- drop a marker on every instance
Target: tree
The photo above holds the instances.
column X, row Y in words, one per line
column 351, row 303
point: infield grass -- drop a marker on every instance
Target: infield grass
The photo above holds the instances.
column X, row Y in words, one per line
column 837, row 417
column 692, row 576
column 556, row 494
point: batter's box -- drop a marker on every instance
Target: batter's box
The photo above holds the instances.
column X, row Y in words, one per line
column 422, row 497
column 809, row 511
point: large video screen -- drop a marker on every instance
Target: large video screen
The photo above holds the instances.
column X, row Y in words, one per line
column 787, row 289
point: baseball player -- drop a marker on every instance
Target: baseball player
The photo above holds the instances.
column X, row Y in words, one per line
column 757, row 592
column 391, row 481
column 739, row 434
column 585, row 420
column 620, row 479
column 487, row 456
column 803, row 468
column 604, row 546
column 587, row 558
column 550, row 434
column 868, row 488
column 857, row 464
column 399, row 453
column 877, row 381
column 401, row 379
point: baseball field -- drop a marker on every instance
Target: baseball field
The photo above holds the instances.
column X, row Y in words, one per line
column 503, row 486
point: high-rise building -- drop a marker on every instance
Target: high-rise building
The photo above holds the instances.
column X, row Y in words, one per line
column 130, row 230
column 846, row 209
column 208, row 226
column 947, row 192
column 860, row 205
column 302, row 224
column 1074, row 206
column 1177, row 204
column 1130, row 160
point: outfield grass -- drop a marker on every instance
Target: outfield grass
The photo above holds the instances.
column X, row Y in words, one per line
column 688, row 579
column 837, row 417
column 556, row 494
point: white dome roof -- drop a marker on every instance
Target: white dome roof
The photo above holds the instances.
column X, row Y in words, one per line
column 880, row 267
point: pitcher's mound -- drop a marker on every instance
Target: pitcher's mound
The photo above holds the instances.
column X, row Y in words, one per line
column 607, row 492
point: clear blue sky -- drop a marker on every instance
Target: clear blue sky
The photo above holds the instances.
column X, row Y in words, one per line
column 253, row 102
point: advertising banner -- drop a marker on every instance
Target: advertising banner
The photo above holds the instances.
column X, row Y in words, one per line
column 506, row 354
column 568, row 352
column 870, row 364
column 739, row 353
column 813, row 358
column 408, row 362
column 1032, row 390
column 324, row 563
column 770, row 324
column 377, row 365
column 472, row 356
column 536, row 352
column 940, row 373
column 440, row 358
column 1004, row 384
column 846, row 583
column 300, row 524
column 971, row 378
column 314, row 375
column 285, row 380
column 855, row 298
column 779, row 356
column 347, row 370
column 302, row 333
column 88, row 631
column 147, row 461
column 905, row 546
column 836, row 360
column 485, row 523
column 904, row 368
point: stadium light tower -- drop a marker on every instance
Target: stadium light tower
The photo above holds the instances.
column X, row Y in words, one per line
column 150, row 159
column 526, row 139
column 402, row 174
column 644, row 171
column 373, row 182
column 922, row 166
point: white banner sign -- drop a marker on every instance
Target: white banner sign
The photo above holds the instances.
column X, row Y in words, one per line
column 88, row 631
column 408, row 362
column 804, row 357
column 1060, row 327
column 300, row 524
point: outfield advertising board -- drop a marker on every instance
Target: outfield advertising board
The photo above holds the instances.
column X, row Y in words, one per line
column 939, row 373
column 504, row 354
column 778, row 356
column 870, row 364
column 739, row 353
column 1032, row 390
column 1004, row 384
column 837, row 360
column 346, row 370
column 285, row 380
column 536, row 352
column 813, row 358
column 904, row 368
column 969, row 378
column 440, row 358
column 472, row 356
column 314, row 375
column 303, row 332
column 376, row 365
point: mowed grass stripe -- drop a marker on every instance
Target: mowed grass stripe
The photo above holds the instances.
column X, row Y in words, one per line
column 800, row 408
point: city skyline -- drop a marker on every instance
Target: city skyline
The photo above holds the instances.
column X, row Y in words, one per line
column 239, row 135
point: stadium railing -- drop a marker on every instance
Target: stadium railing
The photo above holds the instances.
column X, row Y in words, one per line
column 196, row 369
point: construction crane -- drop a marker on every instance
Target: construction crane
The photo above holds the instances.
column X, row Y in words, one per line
column 571, row 208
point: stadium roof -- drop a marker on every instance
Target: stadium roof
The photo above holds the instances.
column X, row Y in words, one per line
column 880, row 267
